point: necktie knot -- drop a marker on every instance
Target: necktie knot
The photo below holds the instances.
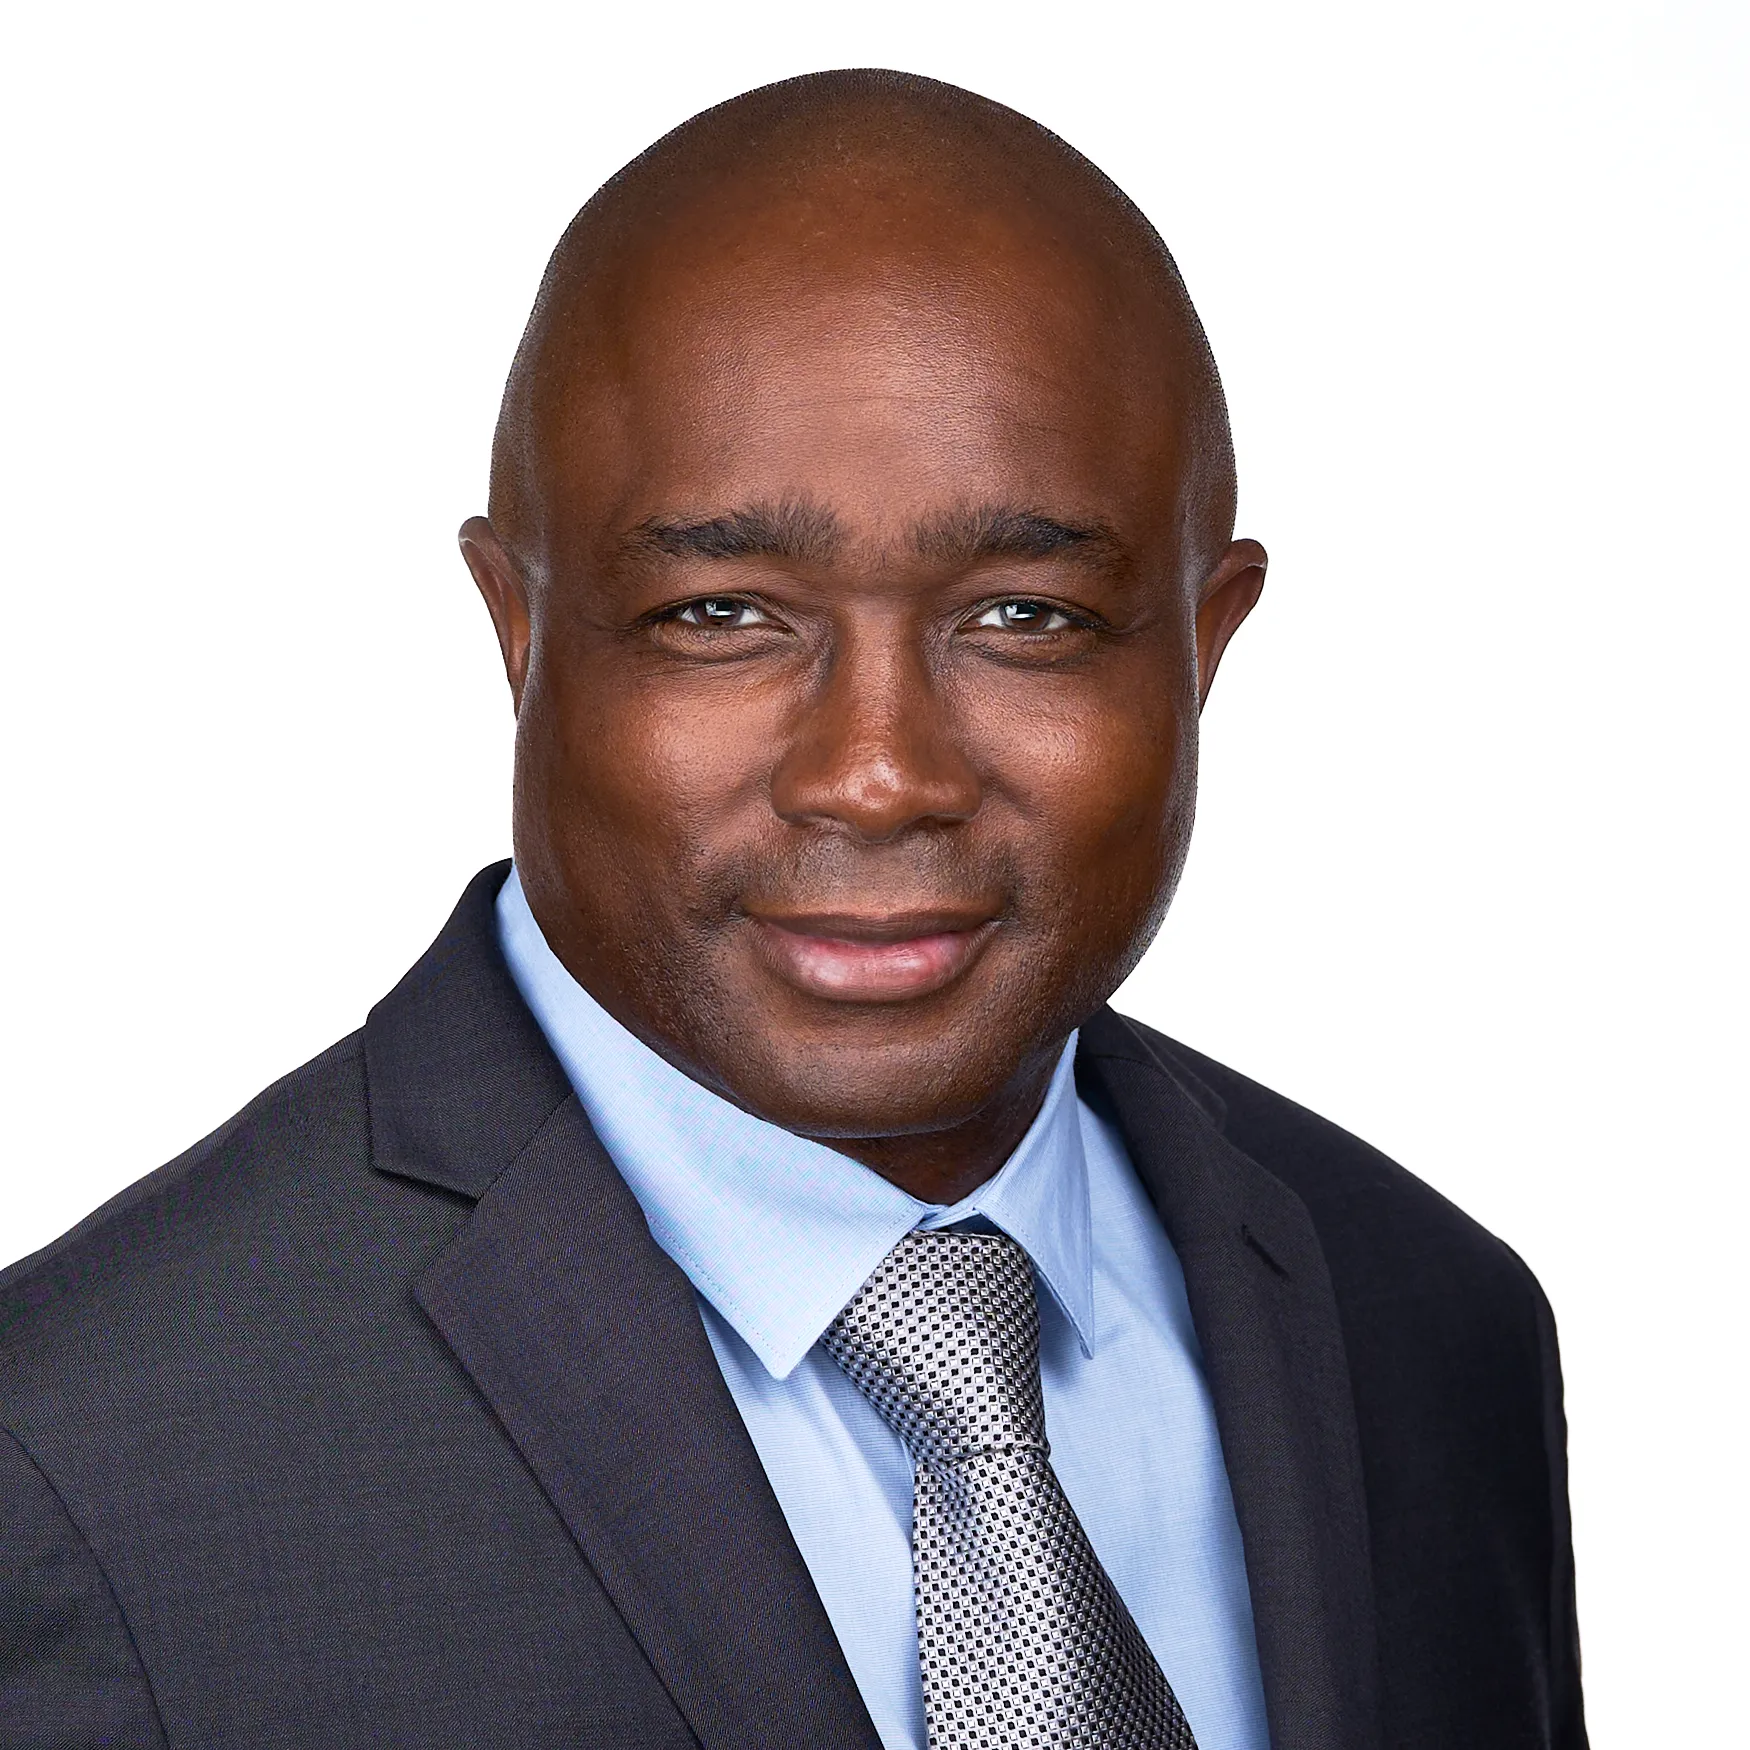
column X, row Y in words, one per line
column 943, row 1339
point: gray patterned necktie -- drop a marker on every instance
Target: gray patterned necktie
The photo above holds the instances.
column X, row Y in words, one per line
column 1022, row 1639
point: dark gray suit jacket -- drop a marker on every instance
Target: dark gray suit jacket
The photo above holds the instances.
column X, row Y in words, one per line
column 379, row 1419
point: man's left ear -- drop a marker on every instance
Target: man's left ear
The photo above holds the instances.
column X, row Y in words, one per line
column 1229, row 594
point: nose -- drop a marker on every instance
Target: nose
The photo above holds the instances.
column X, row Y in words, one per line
column 874, row 749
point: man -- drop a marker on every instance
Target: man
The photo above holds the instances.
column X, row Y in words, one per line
column 743, row 1287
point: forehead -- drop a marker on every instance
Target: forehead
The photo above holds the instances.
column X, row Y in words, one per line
column 880, row 352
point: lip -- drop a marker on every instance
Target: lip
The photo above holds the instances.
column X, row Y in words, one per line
column 891, row 957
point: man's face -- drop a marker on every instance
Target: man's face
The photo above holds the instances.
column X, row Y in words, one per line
column 856, row 732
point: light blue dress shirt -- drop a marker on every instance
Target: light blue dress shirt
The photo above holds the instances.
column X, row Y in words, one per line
column 777, row 1232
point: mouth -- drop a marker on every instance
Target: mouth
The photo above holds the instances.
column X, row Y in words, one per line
column 889, row 957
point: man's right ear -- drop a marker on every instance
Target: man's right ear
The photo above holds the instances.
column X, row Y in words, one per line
column 507, row 599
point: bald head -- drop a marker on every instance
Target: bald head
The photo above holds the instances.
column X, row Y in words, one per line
column 879, row 193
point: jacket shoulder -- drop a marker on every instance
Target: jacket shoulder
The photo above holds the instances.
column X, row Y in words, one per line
column 1367, row 1209
column 169, row 1232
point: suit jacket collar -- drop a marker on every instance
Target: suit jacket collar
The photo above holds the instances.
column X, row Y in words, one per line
column 585, row 1339
column 458, row 1076
column 1266, row 1319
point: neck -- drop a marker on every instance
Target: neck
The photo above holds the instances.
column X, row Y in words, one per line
column 942, row 1166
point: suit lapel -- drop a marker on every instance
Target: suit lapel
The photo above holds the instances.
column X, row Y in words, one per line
column 1266, row 1318
column 585, row 1340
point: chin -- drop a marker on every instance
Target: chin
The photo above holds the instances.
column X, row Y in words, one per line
column 889, row 1087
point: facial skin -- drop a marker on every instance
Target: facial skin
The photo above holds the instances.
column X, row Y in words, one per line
column 858, row 654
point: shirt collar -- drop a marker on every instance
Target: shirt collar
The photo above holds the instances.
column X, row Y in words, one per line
column 776, row 1231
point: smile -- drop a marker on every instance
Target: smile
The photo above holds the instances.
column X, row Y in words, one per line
column 885, row 959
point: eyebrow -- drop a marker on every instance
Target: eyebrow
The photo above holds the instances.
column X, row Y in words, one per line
column 802, row 533
column 977, row 532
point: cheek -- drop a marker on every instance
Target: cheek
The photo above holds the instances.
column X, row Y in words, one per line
column 649, row 774
column 1106, row 853
column 1104, row 787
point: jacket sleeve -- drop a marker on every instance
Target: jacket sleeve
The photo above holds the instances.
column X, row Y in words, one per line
column 1567, row 1719
column 70, row 1677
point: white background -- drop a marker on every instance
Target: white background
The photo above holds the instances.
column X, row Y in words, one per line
column 1469, row 875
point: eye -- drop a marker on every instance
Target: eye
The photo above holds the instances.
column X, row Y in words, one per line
column 1023, row 614
column 721, row 613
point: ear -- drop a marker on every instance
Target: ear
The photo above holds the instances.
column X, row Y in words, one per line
column 1231, row 592
column 507, row 598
